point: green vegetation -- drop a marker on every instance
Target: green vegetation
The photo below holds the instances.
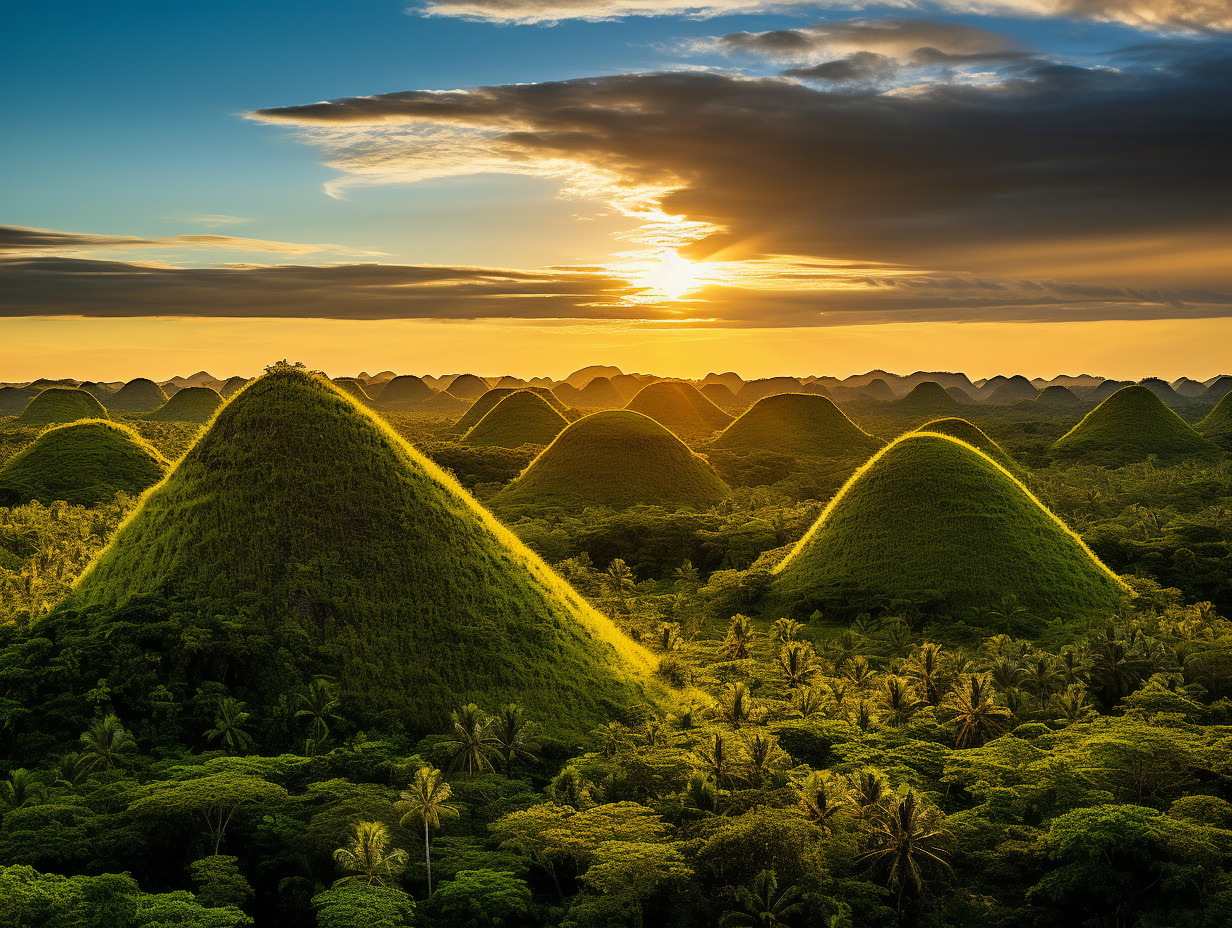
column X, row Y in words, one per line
column 599, row 394
column 720, row 394
column 615, row 459
column 97, row 390
column 932, row 517
column 14, row 399
column 521, row 418
column 355, row 388
column 1130, row 425
column 800, row 425
column 192, row 404
column 877, row 389
column 83, row 463
column 1016, row 389
column 679, row 407
column 972, row 435
column 61, row 404
column 232, row 386
column 404, row 392
column 467, row 387
column 486, row 403
column 1217, row 425
column 1057, row 395
column 420, row 568
column 138, row 395
column 927, row 398
column 754, row 390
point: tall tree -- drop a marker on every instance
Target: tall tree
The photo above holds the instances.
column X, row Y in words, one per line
column 106, row 745
column 368, row 857
column 973, row 711
column 230, row 721
column 473, row 745
column 319, row 708
column 515, row 736
column 426, row 800
column 907, row 843
column 762, row 905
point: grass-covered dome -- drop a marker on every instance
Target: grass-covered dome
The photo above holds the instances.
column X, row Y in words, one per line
column 600, row 394
column 138, row 395
column 355, row 387
column 191, row 404
column 720, row 394
column 797, row 424
column 929, row 398
column 930, row 516
column 486, row 403
column 404, row 391
column 1217, row 425
column 1016, row 389
column 1057, row 395
column 467, row 387
column 61, row 404
column 753, row 390
column 84, row 463
column 680, row 407
column 521, row 418
column 358, row 558
column 1131, row 425
column 972, row 435
column 615, row 459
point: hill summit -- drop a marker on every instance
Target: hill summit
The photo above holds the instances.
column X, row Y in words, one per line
column 138, row 395
column 352, row 556
column 1217, row 426
column 680, row 407
column 797, row 424
column 83, row 463
column 972, row 435
column 521, row 418
column 930, row 517
column 616, row 459
column 928, row 396
column 191, row 404
column 61, row 404
column 1128, row 426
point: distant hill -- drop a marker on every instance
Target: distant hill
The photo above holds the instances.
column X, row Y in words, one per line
column 1104, row 390
column 972, row 435
column 1164, row 391
column 797, row 424
column 486, row 403
column 680, row 407
column 1016, row 389
column 1057, row 395
column 350, row 555
column 579, row 379
column 521, row 418
column 355, row 387
column 231, row 385
column 467, row 387
column 61, row 404
column 615, row 459
column 754, row 390
column 600, row 394
column 720, row 395
column 877, row 389
column 404, row 392
column 1131, row 425
column 14, row 399
column 730, row 379
column 1217, row 426
column 191, row 404
column 83, row 463
column 927, row 398
column 931, row 518
column 139, row 395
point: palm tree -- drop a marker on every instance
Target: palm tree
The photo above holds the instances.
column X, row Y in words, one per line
column 426, row 801
column 762, row 905
column 614, row 738
column 70, row 770
column 667, row 638
column 807, row 701
column 799, row 664
column 737, row 707
column 1007, row 612
column 620, row 579
column 1073, row 705
column 686, row 575
column 229, row 721
column 868, row 792
column 899, row 700
column 571, row 788
column 740, row 635
column 20, row 789
column 105, row 745
column 515, row 737
column 318, row 705
column 972, row 709
column 908, row 840
column 786, row 630
column 713, row 760
column 473, row 744
column 368, row 857
column 926, row 668
column 862, row 716
column 821, row 797
column 762, row 756
column 859, row 672
column 1042, row 677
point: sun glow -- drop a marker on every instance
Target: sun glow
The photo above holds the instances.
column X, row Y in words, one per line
column 663, row 275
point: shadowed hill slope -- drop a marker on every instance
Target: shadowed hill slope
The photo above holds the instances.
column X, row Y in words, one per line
column 972, row 435
column 231, row 386
column 343, row 546
column 191, row 404
column 355, row 388
column 600, row 394
column 1163, row 390
column 959, row 395
column 1016, row 389
column 1130, row 425
column 1217, row 426
column 754, row 390
column 930, row 516
column 139, row 395
column 521, row 418
column 878, row 389
column 404, row 391
column 797, row 424
column 14, row 399
column 615, row 459
column 927, row 398
column 1104, row 390
column 1057, row 395
column 680, row 407
column 467, row 387
column 97, row 390
column 1218, row 388
column 83, row 463
column 720, row 395
column 61, row 404
column 486, row 403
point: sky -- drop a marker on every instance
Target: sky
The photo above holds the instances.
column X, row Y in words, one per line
column 528, row 186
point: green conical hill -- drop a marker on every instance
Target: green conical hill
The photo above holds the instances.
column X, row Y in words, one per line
column 930, row 516
column 467, row 387
column 959, row 394
column 680, row 407
column 1131, row 425
column 232, row 386
column 928, row 398
column 521, row 418
column 355, row 387
column 600, row 394
column 626, row 385
column 798, row 425
column 972, row 435
column 191, row 404
column 357, row 558
column 719, row 394
column 754, row 390
column 616, row 459
column 1163, row 390
column 878, row 389
column 97, row 390
column 83, row 463
column 1217, row 426
column 1016, row 389
column 1057, row 395
column 139, row 395
column 1104, row 390
column 1218, row 388
column 486, row 403
column 61, row 404
column 404, row 391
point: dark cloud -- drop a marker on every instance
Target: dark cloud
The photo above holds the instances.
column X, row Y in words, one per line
column 18, row 239
column 860, row 67
column 903, row 39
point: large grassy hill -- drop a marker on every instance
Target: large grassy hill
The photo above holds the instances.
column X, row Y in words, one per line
column 680, row 407
column 83, row 463
column 931, row 517
column 1131, row 425
column 467, row 387
column 404, row 391
column 486, row 403
column 798, row 425
column 615, row 459
column 521, row 418
column 972, row 435
column 138, row 395
column 1217, row 426
column 351, row 555
column 191, row 404
column 61, row 404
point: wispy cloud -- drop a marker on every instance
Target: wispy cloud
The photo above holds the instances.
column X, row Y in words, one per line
column 218, row 219
column 17, row 239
